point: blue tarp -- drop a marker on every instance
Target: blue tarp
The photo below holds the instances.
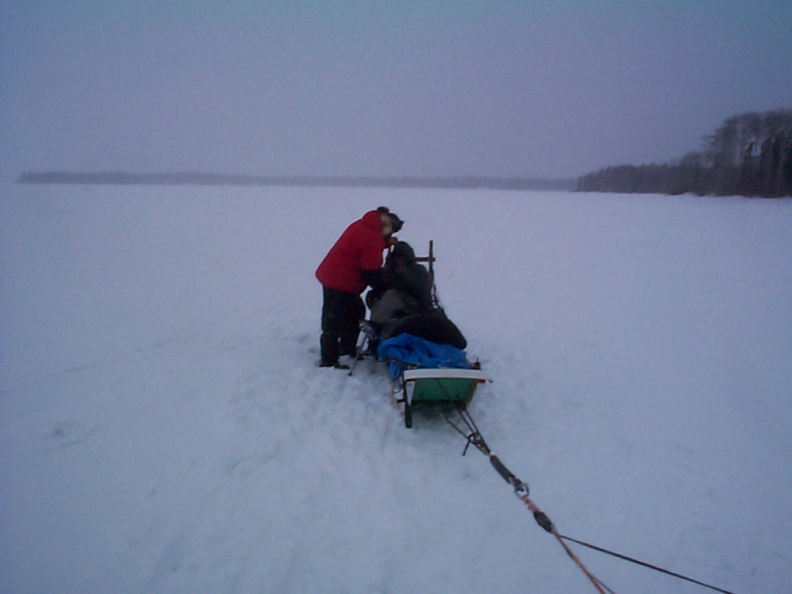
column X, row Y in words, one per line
column 406, row 349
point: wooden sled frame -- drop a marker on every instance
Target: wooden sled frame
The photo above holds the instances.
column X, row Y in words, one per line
column 430, row 260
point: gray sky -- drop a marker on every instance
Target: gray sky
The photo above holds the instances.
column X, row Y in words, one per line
column 505, row 88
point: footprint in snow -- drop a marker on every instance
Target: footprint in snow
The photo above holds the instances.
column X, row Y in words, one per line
column 66, row 434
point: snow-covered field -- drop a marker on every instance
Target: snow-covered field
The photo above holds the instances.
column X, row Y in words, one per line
column 164, row 426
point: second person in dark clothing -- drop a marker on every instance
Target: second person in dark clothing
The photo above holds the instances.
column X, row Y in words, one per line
column 406, row 303
column 406, row 287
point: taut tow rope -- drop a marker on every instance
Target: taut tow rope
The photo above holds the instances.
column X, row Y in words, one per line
column 644, row 564
column 474, row 438
column 521, row 490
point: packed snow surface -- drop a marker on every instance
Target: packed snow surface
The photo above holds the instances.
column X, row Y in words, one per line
column 164, row 426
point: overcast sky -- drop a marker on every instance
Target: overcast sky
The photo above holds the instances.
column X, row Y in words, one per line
column 507, row 88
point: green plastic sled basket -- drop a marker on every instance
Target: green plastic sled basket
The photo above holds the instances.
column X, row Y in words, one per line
column 441, row 385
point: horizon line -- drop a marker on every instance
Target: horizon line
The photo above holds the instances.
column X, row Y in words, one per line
column 228, row 179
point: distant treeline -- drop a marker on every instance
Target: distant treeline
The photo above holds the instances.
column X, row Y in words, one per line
column 210, row 179
column 749, row 155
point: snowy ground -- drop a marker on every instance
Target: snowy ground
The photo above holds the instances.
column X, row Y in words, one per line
column 164, row 426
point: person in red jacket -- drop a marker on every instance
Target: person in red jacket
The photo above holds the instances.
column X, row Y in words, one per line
column 353, row 263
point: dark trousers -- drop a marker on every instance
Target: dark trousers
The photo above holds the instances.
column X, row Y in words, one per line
column 342, row 313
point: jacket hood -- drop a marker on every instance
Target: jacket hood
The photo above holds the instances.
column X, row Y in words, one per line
column 403, row 250
column 372, row 219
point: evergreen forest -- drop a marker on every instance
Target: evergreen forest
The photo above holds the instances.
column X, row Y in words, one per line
column 748, row 155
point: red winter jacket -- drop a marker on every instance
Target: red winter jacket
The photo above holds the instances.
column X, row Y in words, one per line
column 359, row 248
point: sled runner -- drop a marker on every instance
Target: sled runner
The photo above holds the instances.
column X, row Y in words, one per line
column 424, row 351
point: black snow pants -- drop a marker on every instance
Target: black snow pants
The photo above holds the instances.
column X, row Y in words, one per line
column 342, row 313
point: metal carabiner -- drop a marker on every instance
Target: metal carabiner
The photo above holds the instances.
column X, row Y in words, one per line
column 520, row 488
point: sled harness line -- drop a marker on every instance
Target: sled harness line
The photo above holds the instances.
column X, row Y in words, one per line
column 474, row 438
column 521, row 489
column 637, row 562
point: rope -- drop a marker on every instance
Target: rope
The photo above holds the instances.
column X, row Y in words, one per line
column 543, row 521
column 637, row 562
column 475, row 439
column 520, row 489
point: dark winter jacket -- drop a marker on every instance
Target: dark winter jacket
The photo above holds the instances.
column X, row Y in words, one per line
column 356, row 258
column 404, row 274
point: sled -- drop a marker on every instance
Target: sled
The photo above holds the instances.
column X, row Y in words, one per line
column 425, row 373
